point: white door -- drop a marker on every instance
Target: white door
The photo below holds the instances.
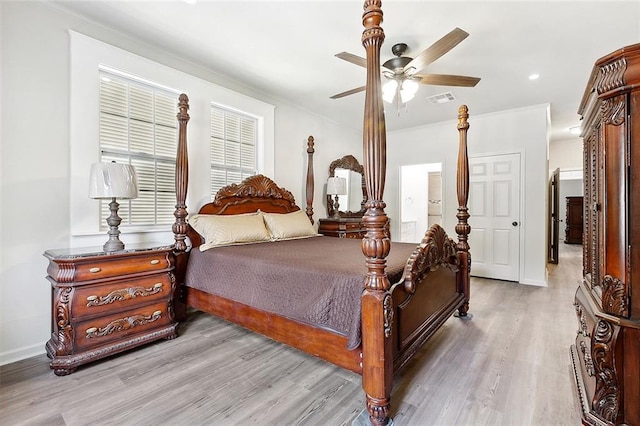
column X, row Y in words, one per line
column 494, row 206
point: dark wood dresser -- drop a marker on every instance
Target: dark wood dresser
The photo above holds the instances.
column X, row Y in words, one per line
column 343, row 227
column 105, row 303
column 606, row 354
column 574, row 221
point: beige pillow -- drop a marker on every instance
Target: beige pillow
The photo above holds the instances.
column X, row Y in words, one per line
column 288, row 225
column 222, row 230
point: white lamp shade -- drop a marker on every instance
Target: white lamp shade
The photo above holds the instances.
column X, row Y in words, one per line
column 113, row 180
column 336, row 186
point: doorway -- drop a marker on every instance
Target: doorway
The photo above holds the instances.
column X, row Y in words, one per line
column 494, row 206
column 420, row 200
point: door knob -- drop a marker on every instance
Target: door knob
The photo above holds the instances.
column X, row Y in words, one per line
column 514, row 223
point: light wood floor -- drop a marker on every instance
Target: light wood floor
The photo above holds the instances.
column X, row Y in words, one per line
column 509, row 365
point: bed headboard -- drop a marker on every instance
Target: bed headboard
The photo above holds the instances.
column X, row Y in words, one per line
column 254, row 193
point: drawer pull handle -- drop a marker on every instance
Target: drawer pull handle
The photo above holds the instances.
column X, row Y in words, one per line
column 123, row 294
column 95, row 270
column 155, row 262
column 123, row 324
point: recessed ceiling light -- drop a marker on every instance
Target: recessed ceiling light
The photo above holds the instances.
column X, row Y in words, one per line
column 534, row 76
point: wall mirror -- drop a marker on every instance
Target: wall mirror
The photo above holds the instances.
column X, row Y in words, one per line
column 350, row 204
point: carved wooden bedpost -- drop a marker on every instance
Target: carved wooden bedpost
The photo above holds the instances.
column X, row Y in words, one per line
column 462, row 228
column 180, row 225
column 310, row 177
column 377, row 309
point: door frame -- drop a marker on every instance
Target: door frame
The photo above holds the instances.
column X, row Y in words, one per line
column 553, row 237
column 523, row 212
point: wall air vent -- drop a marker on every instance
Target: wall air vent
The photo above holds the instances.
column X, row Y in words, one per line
column 441, row 98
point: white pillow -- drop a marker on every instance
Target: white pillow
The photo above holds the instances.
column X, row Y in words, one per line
column 222, row 230
column 288, row 225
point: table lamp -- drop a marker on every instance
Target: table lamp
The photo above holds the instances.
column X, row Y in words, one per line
column 112, row 181
column 336, row 186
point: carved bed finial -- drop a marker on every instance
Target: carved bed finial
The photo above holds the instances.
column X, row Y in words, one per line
column 182, row 176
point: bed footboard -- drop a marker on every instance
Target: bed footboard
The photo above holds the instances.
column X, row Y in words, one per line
column 428, row 294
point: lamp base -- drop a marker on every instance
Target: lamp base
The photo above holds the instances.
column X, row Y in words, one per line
column 114, row 243
column 336, row 207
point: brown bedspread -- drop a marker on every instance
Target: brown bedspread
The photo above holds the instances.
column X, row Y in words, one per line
column 316, row 280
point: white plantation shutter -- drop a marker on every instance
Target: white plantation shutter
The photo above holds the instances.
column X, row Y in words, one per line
column 233, row 147
column 138, row 126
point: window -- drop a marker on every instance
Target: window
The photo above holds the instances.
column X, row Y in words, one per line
column 233, row 147
column 138, row 126
column 148, row 138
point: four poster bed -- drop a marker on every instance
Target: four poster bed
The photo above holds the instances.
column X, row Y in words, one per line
column 318, row 294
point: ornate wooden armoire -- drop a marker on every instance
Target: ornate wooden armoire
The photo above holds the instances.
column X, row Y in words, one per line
column 606, row 355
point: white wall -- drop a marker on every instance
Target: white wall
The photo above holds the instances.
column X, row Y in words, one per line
column 565, row 155
column 35, row 156
column 523, row 130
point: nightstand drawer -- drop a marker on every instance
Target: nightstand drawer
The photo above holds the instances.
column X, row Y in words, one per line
column 99, row 331
column 355, row 235
column 107, row 268
column 124, row 294
column 349, row 226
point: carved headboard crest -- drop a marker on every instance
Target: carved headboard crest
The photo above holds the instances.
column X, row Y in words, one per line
column 258, row 186
column 437, row 250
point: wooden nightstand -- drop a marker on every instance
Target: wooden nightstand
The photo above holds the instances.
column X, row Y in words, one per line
column 344, row 227
column 105, row 303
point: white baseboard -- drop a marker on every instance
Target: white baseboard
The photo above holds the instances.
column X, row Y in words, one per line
column 21, row 353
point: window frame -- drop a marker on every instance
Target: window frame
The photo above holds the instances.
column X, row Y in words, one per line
column 87, row 55
column 130, row 155
column 227, row 168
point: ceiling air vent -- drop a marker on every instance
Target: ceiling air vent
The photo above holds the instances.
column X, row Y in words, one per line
column 441, row 98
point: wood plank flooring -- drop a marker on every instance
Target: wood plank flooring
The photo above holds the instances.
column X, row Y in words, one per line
column 509, row 365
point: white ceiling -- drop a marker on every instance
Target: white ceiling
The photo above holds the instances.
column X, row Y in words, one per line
column 286, row 49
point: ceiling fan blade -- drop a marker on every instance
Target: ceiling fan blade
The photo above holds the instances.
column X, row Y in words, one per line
column 354, row 59
column 349, row 92
column 448, row 80
column 437, row 49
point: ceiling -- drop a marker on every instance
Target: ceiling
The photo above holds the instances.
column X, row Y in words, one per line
column 285, row 50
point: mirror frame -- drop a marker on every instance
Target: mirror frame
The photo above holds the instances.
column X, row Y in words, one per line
column 348, row 162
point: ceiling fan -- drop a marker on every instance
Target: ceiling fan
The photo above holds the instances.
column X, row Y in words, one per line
column 400, row 71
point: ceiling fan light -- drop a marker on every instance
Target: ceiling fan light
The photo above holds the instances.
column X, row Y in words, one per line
column 389, row 90
column 408, row 90
column 406, row 95
column 410, row 85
